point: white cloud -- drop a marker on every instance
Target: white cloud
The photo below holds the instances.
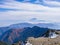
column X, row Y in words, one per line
column 25, row 6
column 50, row 14
column 52, row 3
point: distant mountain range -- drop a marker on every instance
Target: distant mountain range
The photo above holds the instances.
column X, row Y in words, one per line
column 14, row 35
column 21, row 31
column 22, row 25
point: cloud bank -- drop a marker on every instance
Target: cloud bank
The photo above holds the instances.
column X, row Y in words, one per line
column 17, row 11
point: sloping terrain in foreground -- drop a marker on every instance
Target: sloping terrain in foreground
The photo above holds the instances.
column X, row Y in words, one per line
column 44, row 41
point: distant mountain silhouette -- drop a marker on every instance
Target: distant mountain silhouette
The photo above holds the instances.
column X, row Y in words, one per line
column 14, row 35
column 23, row 25
column 3, row 29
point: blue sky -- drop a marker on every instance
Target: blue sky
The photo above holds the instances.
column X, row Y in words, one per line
column 32, row 11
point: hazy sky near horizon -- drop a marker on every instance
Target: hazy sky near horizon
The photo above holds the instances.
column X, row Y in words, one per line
column 35, row 11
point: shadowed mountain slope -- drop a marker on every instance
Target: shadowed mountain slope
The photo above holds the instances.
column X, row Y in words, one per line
column 14, row 35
